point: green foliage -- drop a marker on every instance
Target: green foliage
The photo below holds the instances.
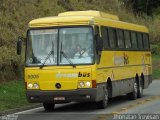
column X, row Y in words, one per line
column 16, row 14
column 155, row 49
column 156, row 11
column 156, row 66
column 142, row 6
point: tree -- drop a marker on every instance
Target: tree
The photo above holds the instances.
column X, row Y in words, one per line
column 142, row 6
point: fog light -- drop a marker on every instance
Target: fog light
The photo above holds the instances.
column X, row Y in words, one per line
column 88, row 84
column 88, row 96
column 30, row 86
column 31, row 98
column 81, row 84
column 36, row 86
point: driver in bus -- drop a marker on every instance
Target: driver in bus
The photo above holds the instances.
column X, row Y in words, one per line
column 80, row 52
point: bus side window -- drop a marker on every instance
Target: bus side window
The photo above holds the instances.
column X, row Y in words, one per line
column 134, row 39
column 127, row 39
column 105, row 37
column 146, row 41
column 140, row 42
column 120, row 39
column 112, row 37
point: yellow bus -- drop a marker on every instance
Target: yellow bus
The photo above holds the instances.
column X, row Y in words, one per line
column 85, row 56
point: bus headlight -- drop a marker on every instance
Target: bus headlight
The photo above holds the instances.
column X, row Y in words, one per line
column 30, row 85
column 36, row 86
column 81, row 84
column 88, row 84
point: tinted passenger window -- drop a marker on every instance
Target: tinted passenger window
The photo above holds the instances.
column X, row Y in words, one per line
column 140, row 42
column 112, row 37
column 120, row 39
column 105, row 37
column 146, row 41
column 127, row 39
column 134, row 39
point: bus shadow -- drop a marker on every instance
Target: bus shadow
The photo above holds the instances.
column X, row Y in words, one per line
column 91, row 107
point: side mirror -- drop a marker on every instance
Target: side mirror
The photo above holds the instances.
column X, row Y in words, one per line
column 99, row 43
column 19, row 46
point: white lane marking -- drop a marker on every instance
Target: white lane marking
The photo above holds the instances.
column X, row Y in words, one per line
column 22, row 112
column 34, row 109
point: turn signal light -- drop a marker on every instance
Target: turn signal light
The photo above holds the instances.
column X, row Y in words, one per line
column 94, row 83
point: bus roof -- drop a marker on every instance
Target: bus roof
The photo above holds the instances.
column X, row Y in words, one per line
column 89, row 17
column 90, row 13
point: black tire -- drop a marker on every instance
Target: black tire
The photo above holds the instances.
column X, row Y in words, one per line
column 140, row 89
column 103, row 104
column 49, row 106
column 133, row 95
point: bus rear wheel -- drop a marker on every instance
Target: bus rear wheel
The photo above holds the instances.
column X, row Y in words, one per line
column 103, row 104
column 140, row 89
column 49, row 106
column 133, row 95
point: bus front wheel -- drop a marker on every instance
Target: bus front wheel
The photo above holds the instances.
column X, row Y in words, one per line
column 103, row 104
column 49, row 106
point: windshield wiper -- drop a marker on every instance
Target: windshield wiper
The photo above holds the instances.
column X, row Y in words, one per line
column 67, row 58
column 49, row 54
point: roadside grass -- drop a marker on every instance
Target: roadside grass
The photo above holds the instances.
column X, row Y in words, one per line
column 12, row 95
column 156, row 66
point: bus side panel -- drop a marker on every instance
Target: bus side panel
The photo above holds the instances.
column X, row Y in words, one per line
column 122, row 67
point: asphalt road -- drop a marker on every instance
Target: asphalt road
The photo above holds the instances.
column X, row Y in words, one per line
column 149, row 103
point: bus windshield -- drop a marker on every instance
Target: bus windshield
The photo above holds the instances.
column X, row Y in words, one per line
column 61, row 46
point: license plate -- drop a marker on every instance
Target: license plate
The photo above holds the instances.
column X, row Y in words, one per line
column 59, row 98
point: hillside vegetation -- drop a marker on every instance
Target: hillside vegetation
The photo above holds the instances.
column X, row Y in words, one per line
column 15, row 15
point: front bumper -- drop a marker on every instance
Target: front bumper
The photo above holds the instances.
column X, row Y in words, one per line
column 79, row 95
